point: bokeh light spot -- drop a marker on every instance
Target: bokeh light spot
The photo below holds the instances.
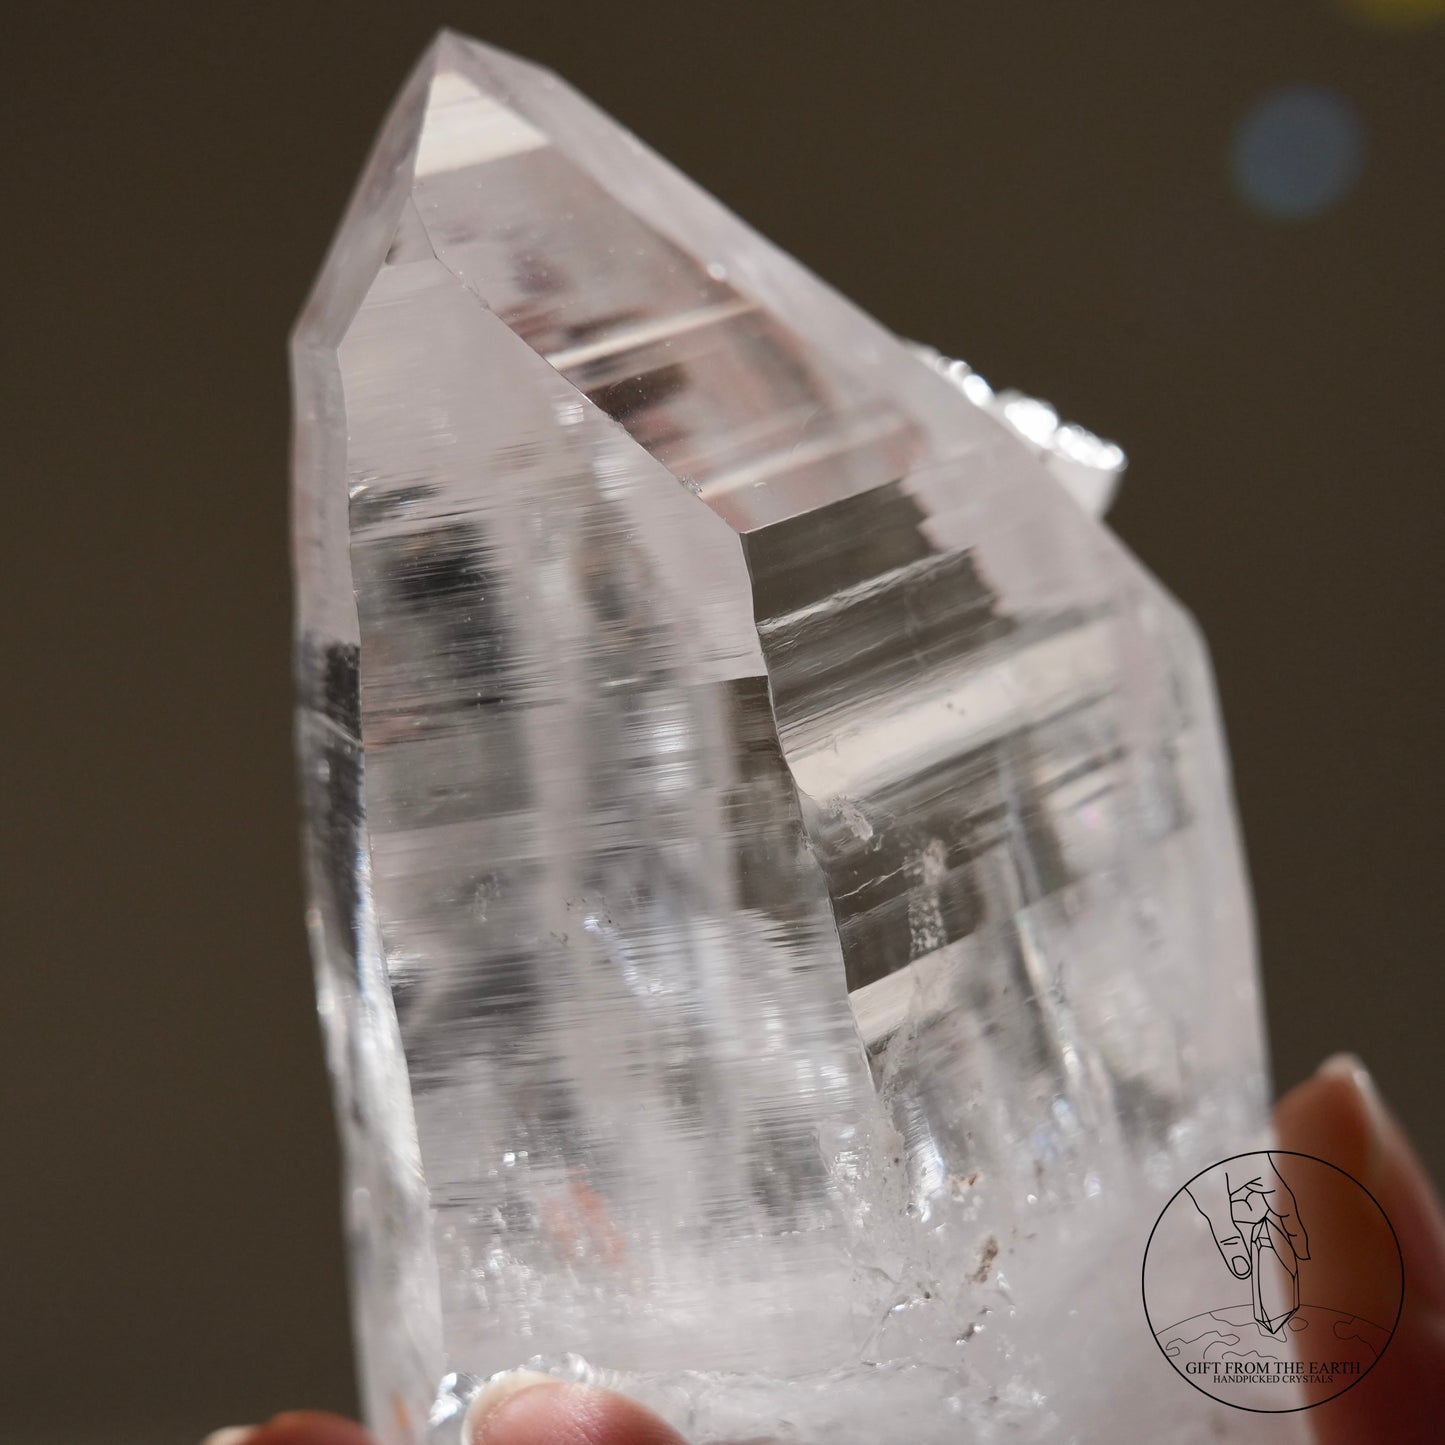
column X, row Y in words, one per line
column 1298, row 152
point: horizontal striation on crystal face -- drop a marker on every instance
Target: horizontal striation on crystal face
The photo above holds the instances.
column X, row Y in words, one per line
column 775, row 896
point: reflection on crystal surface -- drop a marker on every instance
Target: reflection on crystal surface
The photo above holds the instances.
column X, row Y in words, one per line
column 778, row 917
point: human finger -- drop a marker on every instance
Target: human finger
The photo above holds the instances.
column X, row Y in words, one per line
column 1211, row 1198
column 297, row 1427
column 1339, row 1116
column 525, row 1408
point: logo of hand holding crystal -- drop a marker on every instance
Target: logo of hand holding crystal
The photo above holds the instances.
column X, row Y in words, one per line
column 1311, row 1327
column 1251, row 1212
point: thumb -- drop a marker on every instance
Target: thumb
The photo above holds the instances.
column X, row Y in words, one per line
column 1213, row 1204
column 526, row 1408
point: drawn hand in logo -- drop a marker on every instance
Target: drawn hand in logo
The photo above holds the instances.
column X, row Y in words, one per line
column 1255, row 1221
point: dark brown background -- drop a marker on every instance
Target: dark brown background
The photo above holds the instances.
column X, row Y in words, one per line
column 1041, row 188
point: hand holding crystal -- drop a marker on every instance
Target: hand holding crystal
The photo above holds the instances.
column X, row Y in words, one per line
column 1238, row 1196
column 1337, row 1114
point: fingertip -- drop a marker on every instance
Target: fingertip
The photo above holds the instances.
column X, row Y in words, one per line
column 306, row 1427
column 542, row 1411
column 1338, row 1115
column 500, row 1388
column 1332, row 1116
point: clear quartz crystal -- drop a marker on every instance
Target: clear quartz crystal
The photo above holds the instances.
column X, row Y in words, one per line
column 778, row 913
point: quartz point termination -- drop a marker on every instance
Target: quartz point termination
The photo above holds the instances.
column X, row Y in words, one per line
column 779, row 923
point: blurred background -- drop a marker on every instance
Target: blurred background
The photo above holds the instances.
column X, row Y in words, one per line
column 1212, row 231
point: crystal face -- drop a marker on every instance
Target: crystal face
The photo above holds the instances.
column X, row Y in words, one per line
column 779, row 923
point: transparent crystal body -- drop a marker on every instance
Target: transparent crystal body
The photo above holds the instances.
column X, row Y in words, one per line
column 779, row 923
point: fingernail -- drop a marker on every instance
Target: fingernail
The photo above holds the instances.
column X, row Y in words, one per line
column 1364, row 1127
column 1350, row 1069
column 497, row 1390
column 231, row 1435
column 1240, row 1265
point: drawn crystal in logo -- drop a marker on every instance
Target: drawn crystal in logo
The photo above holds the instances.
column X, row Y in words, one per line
column 1273, row 1281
